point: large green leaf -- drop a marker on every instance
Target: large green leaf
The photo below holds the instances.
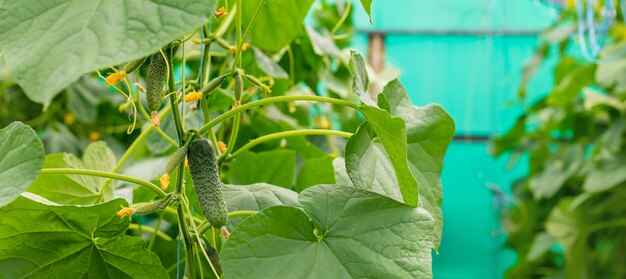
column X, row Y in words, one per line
column 611, row 72
column 76, row 189
column 275, row 167
column 429, row 131
column 21, row 159
column 49, row 241
column 342, row 232
column 50, row 44
column 278, row 21
column 256, row 197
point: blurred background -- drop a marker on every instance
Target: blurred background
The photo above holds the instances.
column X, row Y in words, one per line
column 515, row 68
column 534, row 180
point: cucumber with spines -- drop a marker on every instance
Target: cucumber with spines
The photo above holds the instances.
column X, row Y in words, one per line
column 157, row 74
column 204, row 172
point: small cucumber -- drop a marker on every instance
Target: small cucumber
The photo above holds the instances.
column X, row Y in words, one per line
column 157, row 74
column 238, row 88
column 206, row 180
column 134, row 65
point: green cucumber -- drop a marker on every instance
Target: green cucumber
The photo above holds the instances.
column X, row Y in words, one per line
column 157, row 74
column 177, row 158
column 134, row 65
column 204, row 172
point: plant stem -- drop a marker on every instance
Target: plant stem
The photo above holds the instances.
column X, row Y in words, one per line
column 241, row 40
column 343, row 18
column 285, row 134
column 110, row 175
column 151, row 230
column 271, row 100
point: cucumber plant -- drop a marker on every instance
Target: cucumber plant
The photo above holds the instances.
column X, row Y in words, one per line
column 236, row 163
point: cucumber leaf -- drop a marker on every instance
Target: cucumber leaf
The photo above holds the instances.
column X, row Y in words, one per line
column 21, row 159
column 40, row 239
column 50, row 44
column 341, row 232
column 72, row 189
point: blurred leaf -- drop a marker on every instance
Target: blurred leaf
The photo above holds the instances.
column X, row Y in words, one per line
column 612, row 71
column 315, row 171
column 40, row 239
column 541, row 244
column 48, row 45
column 275, row 167
column 342, row 232
column 594, row 98
column 571, row 85
column 76, row 189
column 606, row 174
column 21, row 160
column 367, row 5
column 58, row 138
column 268, row 65
column 278, row 22
column 323, row 44
column 556, row 171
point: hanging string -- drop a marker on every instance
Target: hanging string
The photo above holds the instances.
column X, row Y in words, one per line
column 587, row 32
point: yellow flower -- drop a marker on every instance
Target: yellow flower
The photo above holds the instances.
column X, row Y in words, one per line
column 221, row 146
column 186, row 163
column 333, row 155
column 69, row 119
column 165, row 181
column 221, row 12
column 126, row 211
column 94, row 136
column 244, row 47
column 114, row 78
column 194, row 96
column 324, row 123
column 196, row 41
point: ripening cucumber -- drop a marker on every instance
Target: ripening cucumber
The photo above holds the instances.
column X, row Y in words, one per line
column 206, row 180
column 157, row 74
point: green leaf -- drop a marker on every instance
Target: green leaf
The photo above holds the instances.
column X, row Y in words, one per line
column 341, row 174
column 76, row 189
column 360, row 79
column 370, row 167
column 278, row 21
column 256, row 197
column 391, row 134
column 275, row 167
column 541, row 244
column 48, row 45
column 606, row 174
column 367, row 5
column 39, row 240
column 315, row 171
column 21, row 159
column 429, row 131
column 571, row 85
column 555, row 172
column 611, row 72
column 342, row 232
